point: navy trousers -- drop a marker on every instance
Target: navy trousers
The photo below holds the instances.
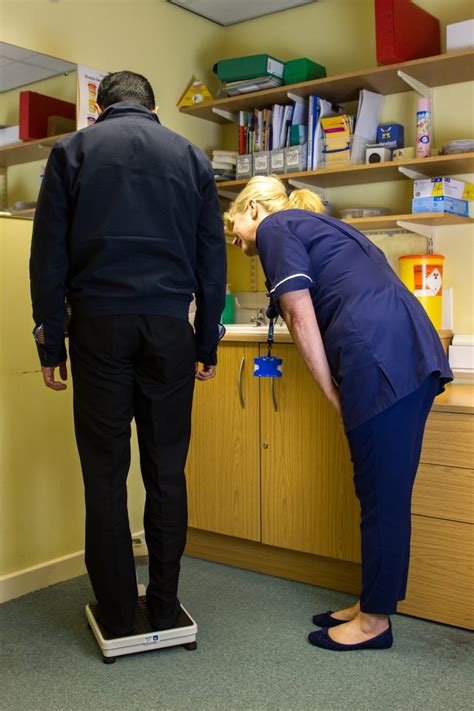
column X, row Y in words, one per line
column 385, row 452
column 123, row 367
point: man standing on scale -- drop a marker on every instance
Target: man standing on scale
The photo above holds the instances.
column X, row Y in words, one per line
column 127, row 229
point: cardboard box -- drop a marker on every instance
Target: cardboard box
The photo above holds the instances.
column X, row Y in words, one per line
column 296, row 158
column 447, row 187
column 277, row 160
column 261, row 163
column 441, row 204
column 460, row 35
column 244, row 166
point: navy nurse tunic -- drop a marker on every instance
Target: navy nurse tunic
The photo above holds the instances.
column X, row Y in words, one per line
column 379, row 341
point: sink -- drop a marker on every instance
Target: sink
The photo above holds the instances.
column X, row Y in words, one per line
column 251, row 328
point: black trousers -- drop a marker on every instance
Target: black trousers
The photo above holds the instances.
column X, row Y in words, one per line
column 124, row 367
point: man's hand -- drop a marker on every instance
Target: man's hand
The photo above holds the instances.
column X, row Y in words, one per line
column 48, row 376
column 206, row 373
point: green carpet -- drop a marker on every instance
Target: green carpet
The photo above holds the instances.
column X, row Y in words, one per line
column 252, row 654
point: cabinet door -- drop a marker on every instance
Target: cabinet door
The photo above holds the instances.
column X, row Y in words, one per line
column 223, row 468
column 308, row 499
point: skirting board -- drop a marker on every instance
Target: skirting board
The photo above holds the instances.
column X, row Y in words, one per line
column 280, row 562
column 25, row 581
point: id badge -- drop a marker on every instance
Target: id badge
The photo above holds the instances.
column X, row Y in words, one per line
column 267, row 367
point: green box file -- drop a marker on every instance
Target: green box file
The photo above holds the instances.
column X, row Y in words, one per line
column 250, row 67
column 297, row 70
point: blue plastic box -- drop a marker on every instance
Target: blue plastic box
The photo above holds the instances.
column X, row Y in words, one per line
column 452, row 206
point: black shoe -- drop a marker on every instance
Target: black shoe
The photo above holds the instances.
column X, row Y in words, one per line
column 322, row 639
column 325, row 619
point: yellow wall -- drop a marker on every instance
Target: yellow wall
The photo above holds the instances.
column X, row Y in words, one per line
column 41, row 514
column 151, row 37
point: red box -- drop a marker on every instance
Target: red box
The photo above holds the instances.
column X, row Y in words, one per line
column 34, row 111
column 404, row 31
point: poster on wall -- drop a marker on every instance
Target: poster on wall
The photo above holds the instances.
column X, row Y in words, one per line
column 88, row 80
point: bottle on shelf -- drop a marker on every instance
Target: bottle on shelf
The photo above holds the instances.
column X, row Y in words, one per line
column 423, row 128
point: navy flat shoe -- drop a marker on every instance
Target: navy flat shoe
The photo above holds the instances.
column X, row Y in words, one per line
column 322, row 639
column 325, row 620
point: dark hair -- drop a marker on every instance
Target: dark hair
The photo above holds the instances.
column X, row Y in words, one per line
column 125, row 86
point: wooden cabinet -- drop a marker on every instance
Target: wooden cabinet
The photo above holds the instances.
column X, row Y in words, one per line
column 441, row 578
column 223, row 471
column 292, row 464
column 308, row 499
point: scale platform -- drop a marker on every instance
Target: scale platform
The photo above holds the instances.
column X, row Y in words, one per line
column 144, row 637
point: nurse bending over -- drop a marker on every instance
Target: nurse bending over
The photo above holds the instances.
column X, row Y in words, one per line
column 356, row 325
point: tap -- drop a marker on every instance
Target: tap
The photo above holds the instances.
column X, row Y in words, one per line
column 259, row 319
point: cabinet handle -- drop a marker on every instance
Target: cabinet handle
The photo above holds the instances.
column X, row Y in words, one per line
column 275, row 404
column 239, row 383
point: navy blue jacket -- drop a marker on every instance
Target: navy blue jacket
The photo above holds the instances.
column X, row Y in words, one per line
column 379, row 341
column 127, row 221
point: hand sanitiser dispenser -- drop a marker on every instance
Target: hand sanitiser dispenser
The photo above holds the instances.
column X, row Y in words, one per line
column 269, row 366
column 144, row 637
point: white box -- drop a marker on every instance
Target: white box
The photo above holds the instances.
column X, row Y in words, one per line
column 449, row 187
column 461, row 357
column 10, row 135
column 377, row 153
column 460, row 35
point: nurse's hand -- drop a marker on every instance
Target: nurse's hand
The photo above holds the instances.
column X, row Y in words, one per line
column 206, row 373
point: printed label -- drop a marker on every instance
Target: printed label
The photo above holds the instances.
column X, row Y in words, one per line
column 428, row 279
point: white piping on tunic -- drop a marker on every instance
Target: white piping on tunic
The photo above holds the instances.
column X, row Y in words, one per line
column 293, row 276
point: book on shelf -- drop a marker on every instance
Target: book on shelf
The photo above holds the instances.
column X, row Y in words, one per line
column 272, row 128
column 245, row 86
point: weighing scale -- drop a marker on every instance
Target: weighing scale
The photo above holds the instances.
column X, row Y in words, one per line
column 144, row 638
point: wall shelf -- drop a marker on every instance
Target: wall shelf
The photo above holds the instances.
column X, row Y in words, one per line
column 450, row 68
column 390, row 222
column 28, row 151
column 456, row 164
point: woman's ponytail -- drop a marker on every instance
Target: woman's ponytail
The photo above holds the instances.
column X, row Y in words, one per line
column 304, row 199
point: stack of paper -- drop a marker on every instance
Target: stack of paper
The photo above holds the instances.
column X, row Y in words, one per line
column 368, row 118
column 223, row 164
column 461, row 353
column 337, row 139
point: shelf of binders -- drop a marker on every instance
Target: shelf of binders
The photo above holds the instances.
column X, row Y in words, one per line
column 450, row 68
column 28, row 151
column 455, row 164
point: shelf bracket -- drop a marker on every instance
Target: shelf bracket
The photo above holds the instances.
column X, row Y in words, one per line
column 322, row 192
column 427, row 231
column 417, row 85
column 413, row 174
column 228, row 115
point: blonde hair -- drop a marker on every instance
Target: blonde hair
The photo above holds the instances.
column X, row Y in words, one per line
column 270, row 192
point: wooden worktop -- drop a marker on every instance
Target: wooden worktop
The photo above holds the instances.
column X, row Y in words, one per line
column 458, row 396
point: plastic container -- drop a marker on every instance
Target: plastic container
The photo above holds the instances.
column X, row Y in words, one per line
column 359, row 212
column 422, row 274
column 228, row 315
column 423, row 128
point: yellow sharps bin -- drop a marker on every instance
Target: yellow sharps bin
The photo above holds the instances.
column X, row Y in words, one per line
column 422, row 274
